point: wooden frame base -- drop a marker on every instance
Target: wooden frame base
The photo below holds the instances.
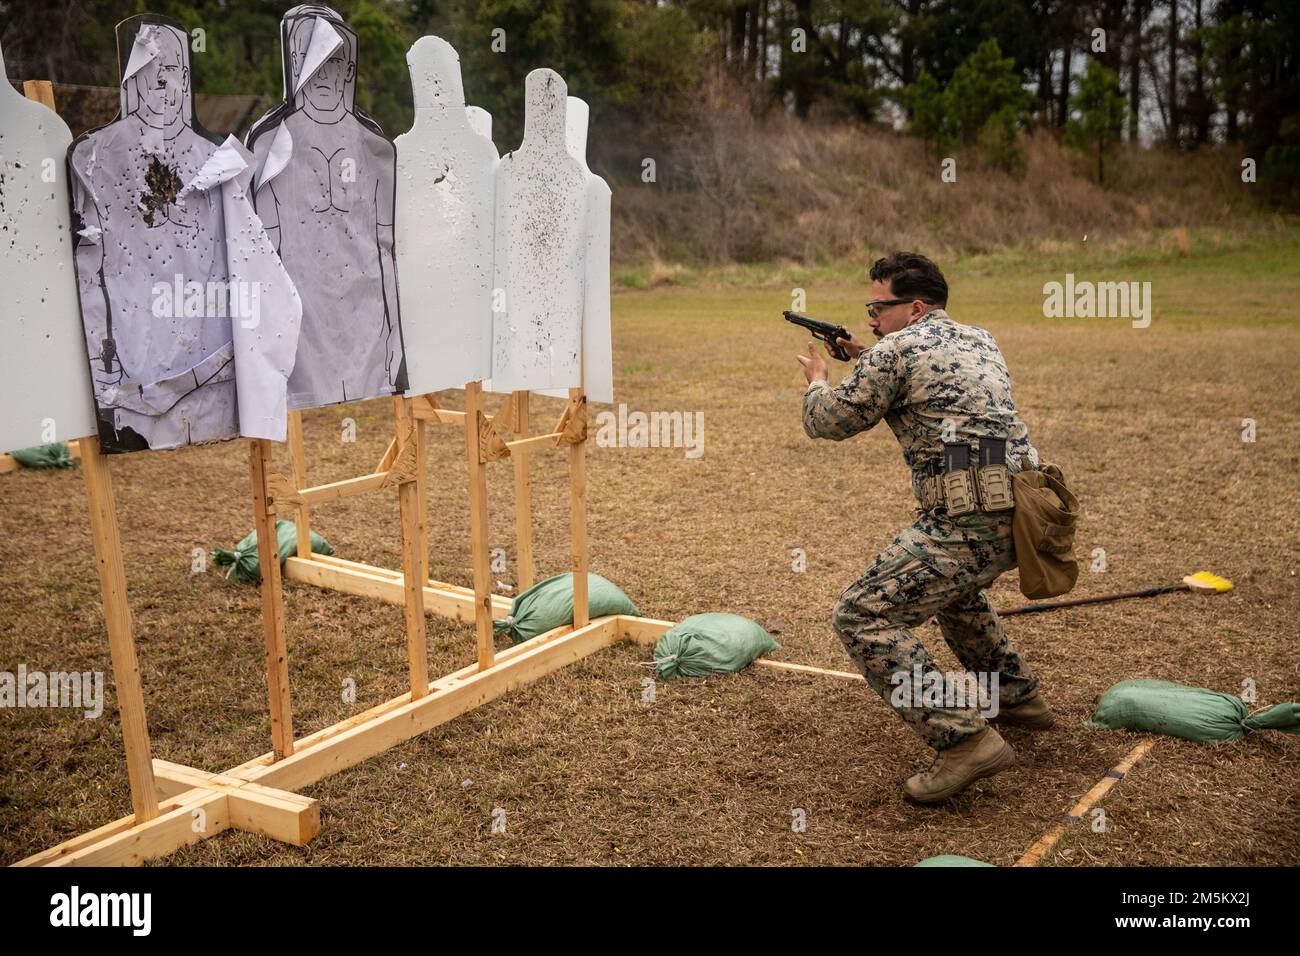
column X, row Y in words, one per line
column 257, row 796
column 367, row 580
column 175, row 805
column 184, row 805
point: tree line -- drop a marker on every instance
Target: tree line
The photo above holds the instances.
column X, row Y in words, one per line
column 1183, row 74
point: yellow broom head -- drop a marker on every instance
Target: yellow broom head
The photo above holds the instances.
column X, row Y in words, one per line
column 1203, row 582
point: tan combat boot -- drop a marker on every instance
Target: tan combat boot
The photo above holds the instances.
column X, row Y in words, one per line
column 1032, row 713
column 980, row 755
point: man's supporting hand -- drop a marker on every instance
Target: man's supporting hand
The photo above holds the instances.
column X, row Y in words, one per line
column 814, row 366
column 850, row 345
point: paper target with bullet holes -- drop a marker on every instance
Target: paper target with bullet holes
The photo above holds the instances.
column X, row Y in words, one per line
column 597, row 347
column 445, row 172
column 325, row 192
column 540, row 257
column 189, row 322
column 45, row 382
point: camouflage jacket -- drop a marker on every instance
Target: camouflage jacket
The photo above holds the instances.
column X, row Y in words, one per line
column 916, row 379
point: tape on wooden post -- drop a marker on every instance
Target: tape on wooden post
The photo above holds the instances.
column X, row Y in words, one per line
column 572, row 426
column 404, row 465
column 280, row 490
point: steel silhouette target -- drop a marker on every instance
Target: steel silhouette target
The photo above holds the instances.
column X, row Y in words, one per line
column 45, row 381
column 180, row 305
column 444, row 229
column 597, row 347
column 325, row 192
column 539, row 260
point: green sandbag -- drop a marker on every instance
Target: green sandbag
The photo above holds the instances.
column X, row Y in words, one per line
column 243, row 559
column 951, row 860
column 549, row 604
column 717, row 643
column 1194, row 713
column 53, row 455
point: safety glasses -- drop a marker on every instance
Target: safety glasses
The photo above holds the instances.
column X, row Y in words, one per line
column 875, row 305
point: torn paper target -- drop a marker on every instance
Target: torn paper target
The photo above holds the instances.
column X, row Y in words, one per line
column 44, row 381
column 445, row 174
column 325, row 191
column 168, row 251
column 539, row 262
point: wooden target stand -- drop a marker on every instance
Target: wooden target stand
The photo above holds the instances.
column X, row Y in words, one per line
column 163, row 818
column 176, row 805
column 487, row 438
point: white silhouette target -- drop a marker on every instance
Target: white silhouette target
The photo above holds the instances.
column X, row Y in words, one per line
column 480, row 121
column 44, row 379
column 444, row 227
column 539, row 263
column 597, row 350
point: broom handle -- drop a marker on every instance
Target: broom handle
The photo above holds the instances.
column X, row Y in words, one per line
column 1076, row 602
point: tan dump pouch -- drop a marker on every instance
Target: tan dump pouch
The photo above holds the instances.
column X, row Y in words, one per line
column 1042, row 526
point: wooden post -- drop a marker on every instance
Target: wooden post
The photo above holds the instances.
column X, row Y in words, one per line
column 523, row 497
column 413, row 573
column 298, row 459
column 117, row 617
column 578, row 523
column 268, row 557
column 107, row 539
column 478, row 524
column 42, row 91
column 422, row 499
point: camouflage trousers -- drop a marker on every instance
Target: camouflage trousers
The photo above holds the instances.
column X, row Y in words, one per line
column 937, row 568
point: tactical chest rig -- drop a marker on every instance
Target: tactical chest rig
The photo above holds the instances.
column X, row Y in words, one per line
column 961, row 485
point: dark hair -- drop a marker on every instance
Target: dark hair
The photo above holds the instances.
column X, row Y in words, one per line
column 912, row 276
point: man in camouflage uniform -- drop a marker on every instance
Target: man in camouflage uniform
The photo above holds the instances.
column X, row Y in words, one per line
column 933, row 381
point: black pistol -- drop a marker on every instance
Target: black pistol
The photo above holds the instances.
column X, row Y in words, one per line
column 823, row 330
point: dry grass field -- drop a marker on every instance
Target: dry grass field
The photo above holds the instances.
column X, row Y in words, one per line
column 1145, row 422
